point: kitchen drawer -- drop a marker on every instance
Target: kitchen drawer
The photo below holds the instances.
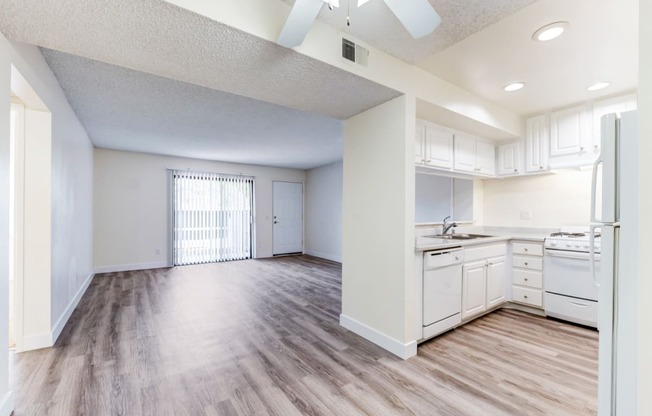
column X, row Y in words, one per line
column 532, row 249
column 529, row 278
column 532, row 297
column 531, row 263
column 580, row 311
column 474, row 253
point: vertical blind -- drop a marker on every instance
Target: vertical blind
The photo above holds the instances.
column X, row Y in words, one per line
column 212, row 217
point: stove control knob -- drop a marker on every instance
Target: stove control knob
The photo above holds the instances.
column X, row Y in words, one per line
column 586, row 246
column 569, row 244
column 577, row 245
column 553, row 244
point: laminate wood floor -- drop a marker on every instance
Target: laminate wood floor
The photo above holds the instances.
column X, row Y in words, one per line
column 261, row 337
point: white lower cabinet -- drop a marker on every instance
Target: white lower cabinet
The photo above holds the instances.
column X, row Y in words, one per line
column 474, row 288
column 496, row 288
column 483, row 279
column 527, row 273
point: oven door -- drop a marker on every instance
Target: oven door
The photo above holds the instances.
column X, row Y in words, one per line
column 568, row 273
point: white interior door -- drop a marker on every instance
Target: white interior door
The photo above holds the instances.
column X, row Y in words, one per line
column 288, row 217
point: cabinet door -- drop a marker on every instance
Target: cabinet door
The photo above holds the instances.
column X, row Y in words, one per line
column 420, row 144
column 474, row 289
column 439, row 148
column 465, row 148
column 508, row 159
column 536, row 144
column 568, row 132
column 485, row 158
column 496, row 282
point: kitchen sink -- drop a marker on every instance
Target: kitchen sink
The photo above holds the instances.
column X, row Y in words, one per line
column 460, row 236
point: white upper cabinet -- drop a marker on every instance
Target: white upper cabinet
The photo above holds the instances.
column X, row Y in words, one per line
column 536, row 144
column 570, row 132
column 442, row 148
column 439, row 148
column 420, row 144
column 434, row 146
column 509, row 158
column 474, row 156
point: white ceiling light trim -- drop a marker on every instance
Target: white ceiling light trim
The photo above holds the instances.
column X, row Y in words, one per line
column 514, row 86
column 550, row 32
column 598, row 86
column 361, row 2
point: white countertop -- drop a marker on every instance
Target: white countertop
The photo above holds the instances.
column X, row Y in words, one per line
column 497, row 234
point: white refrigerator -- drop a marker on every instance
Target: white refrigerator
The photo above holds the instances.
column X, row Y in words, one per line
column 615, row 217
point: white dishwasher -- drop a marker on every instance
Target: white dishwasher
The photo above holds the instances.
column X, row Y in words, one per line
column 442, row 290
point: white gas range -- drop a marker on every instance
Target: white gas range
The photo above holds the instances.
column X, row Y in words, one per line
column 573, row 240
column 571, row 292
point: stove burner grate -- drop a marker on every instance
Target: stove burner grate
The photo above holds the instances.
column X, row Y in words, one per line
column 569, row 235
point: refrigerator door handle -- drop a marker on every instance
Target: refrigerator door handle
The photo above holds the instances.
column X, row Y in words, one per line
column 594, row 185
column 592, row 248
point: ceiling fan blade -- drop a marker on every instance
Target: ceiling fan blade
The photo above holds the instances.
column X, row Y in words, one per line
column 418, row 16
column 302, row 15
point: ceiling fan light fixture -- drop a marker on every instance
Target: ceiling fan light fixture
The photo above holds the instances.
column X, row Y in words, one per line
column 550, row 32
column 361, row 2
column 514, row 86
column 332, row 3
column 598, row 86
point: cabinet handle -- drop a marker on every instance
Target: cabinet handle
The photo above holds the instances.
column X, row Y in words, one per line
column 526, row 264
column 516, row 170
column 540, row 167
column 525, row 296
column 525, row 278
column 525, row 249
column 423, row 160
column 428, row 161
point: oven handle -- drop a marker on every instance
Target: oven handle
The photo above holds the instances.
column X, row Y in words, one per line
column 571, row 254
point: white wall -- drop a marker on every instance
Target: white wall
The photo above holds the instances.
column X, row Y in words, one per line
column 552, row 200
column 71, row 187
column 131, row 206
column 645, row 208
column 378, row 225
column 323, row 219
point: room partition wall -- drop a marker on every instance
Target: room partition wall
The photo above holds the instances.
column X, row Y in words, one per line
column 212, row 217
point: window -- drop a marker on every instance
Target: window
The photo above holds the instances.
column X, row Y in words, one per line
column 212, row 217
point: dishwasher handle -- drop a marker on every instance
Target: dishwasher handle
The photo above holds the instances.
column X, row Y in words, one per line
column 442, row 258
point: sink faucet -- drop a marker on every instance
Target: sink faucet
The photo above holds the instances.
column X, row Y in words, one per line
column 448, row 226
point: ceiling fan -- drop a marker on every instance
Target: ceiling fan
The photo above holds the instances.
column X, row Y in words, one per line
column 418, row 17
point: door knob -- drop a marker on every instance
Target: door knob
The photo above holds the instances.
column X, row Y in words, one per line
column 275, row 222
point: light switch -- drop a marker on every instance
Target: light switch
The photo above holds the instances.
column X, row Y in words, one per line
column 526, row 214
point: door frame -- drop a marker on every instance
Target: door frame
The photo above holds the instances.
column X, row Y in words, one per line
column 303, row 217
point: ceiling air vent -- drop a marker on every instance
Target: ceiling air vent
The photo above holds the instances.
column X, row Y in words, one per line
column 354, row 53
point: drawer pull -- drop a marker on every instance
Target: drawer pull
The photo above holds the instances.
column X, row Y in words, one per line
column 526, row 264
column 525, row 249
column 525, row 296
column 525, row 278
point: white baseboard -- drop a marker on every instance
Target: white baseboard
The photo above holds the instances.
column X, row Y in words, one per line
column 397, row 348
column 131, row 267
column 326, row 256
column 36, row 342
column 7, row 404
column 65, row 316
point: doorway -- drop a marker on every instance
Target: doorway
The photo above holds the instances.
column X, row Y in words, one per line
column 212, row 217
column 287, row 210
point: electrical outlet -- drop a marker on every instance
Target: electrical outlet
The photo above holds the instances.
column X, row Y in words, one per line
column 526, row 214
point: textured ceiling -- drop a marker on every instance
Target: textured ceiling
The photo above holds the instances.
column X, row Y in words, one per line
column 374, row 23
column 158, row 38
column 130, row 110
column 601, row 44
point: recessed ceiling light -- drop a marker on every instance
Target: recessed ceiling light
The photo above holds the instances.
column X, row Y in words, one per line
column 514, row 86
column 551, row 31
column 598, row 86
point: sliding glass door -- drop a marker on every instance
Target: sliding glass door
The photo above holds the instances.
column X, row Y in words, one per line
column 212, row 218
